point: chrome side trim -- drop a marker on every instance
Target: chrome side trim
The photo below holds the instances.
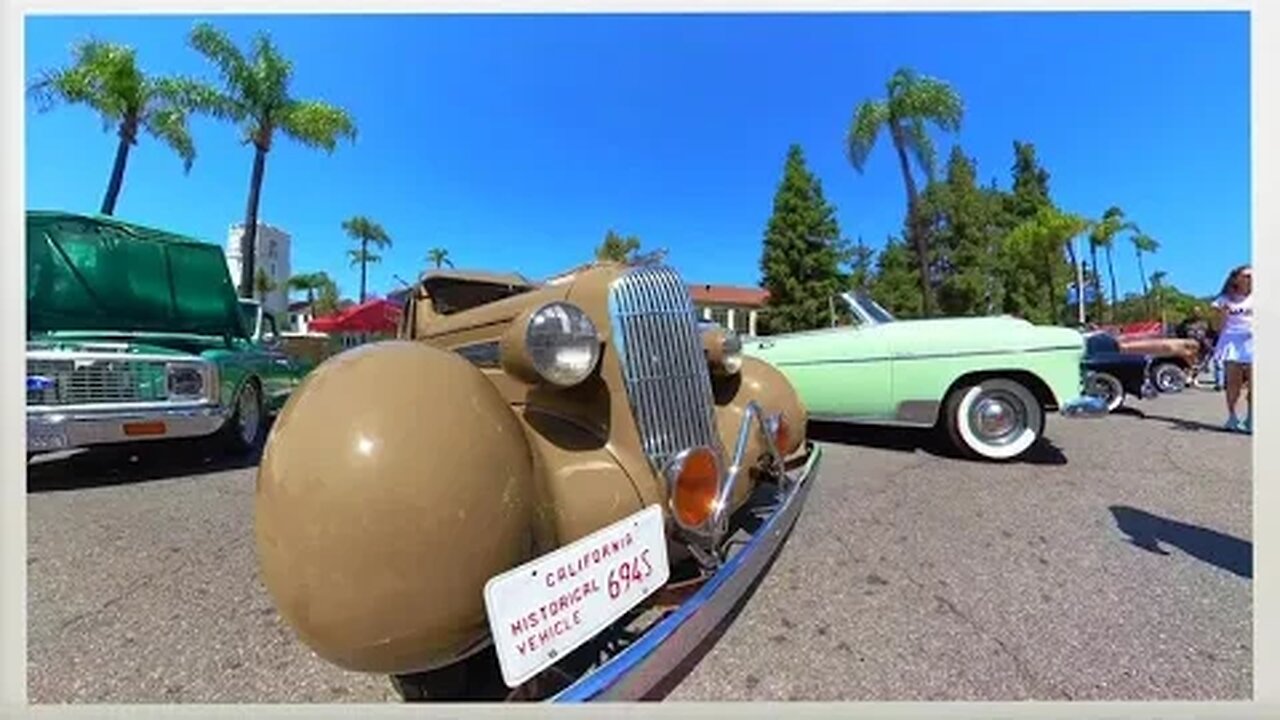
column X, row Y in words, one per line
column 925, row 356
column 635, row 673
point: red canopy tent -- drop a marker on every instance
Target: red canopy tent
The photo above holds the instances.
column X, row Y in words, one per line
column 373, row 317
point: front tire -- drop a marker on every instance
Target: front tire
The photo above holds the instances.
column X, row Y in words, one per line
column 1106, row 387
column 994, row 419
column 244, row 430
column 1169, row 377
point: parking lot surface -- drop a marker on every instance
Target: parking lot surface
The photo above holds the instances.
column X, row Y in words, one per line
column 1116, row 564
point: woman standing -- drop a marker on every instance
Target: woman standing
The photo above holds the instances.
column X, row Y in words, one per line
column 1235, row 342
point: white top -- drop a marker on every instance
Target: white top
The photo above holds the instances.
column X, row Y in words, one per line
column 1237, row 314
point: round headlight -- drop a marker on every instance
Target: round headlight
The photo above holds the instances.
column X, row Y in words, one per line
column 562, row 344
column 731, row 358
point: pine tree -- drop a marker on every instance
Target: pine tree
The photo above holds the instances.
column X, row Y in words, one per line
column 800, row 263
column 897, row 283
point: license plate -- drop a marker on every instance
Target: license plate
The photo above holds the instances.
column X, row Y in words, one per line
column 548, row 607
column 48, row 438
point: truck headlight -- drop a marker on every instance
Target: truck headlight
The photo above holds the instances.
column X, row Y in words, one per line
column 558, row 342
column 185, row 381
column 723, row 348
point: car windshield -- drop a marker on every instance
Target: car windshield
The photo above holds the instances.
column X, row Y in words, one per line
column 249, row 316
column 1101, row 343
column 867, row 311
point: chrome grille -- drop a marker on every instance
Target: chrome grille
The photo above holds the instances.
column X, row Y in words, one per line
column 96, row 381
column 655, row 334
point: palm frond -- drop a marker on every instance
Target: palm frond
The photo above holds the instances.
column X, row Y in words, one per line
column 169, row 125
column 931, row 100
column 921, row 146
column 215, row 45
column 273, row 73
column 196, row 96
column 868, row 118
column 317, row 124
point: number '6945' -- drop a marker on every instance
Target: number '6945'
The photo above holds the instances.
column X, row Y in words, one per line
column 628, row 573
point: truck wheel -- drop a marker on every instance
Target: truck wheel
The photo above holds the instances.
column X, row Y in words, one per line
column 1169, row 377
column 994, row 419
column 1106, row 387
column 242, row 433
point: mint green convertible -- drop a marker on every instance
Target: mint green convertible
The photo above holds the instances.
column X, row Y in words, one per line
column 136, row 334
column 987, row 382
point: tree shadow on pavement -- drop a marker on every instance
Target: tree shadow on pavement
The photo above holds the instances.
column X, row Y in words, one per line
column 912, row 439
column 1147, row 531
column 133, row 463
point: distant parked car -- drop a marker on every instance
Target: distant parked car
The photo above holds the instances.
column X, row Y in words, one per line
column 1172, row 359
column 987, row 381
column 1112, row 374
column 135, row 334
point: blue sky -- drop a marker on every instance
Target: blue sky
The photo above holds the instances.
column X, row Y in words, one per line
column 516, row 141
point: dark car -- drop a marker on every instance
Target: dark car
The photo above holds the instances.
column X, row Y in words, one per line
column 1112, row 374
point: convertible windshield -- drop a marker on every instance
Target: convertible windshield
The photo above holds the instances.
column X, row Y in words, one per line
column 867, row 311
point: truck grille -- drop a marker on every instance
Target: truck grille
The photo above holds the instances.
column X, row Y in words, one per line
column 97, row 381
column 655, row 333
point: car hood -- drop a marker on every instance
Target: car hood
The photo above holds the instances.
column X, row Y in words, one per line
column 98, row 274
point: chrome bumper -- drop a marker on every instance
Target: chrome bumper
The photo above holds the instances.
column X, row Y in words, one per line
column 53, row 430
column 635, row 672
column 1085, row 406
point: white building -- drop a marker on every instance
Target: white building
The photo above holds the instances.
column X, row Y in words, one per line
column 271, row 253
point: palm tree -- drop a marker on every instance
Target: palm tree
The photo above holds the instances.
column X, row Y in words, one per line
column 256, row 96
column 309, row 283
column 1144, row 243
column 439, row 257
column 366, row 232
column 262, row 285
column 1102, row 235
column 1157, row 289
column 105, row 77
column 912, row 102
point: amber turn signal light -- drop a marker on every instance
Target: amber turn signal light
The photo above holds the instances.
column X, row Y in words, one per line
column 782, row 434
column 694, row 488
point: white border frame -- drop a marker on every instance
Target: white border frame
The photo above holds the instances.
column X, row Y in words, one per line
column 13, row 616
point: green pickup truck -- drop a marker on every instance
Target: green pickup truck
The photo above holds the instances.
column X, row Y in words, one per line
column 136, row 334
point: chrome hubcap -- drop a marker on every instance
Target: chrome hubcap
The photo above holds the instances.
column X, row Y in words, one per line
column 248, row 412
column 997, row 419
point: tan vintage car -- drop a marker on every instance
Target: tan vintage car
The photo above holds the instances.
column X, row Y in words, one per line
column 556, row 490
column 1172, row 359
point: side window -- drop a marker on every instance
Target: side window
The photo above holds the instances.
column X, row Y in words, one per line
column 269, row 327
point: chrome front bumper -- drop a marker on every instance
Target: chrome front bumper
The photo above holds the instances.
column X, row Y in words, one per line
column 53, row 429
column 637, row 671
column 1085, row 406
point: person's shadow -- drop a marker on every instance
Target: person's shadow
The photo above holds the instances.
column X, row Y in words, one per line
column 1147, row 531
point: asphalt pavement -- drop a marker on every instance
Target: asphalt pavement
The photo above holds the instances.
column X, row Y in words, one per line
column 1115, row 564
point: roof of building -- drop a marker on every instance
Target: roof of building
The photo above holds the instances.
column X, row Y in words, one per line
column 728, row 295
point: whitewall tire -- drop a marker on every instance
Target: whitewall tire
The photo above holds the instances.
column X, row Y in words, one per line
column 1106, row 387
column 995, row 419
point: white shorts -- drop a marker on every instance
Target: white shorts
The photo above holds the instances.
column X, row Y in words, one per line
column 1234, row 347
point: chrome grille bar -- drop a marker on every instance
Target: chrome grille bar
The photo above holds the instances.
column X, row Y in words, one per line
column 655, row 333
column 97, row 381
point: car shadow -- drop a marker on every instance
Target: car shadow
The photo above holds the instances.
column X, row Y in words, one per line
column 1148, row 531
column 133, row 463
column 913, row 439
